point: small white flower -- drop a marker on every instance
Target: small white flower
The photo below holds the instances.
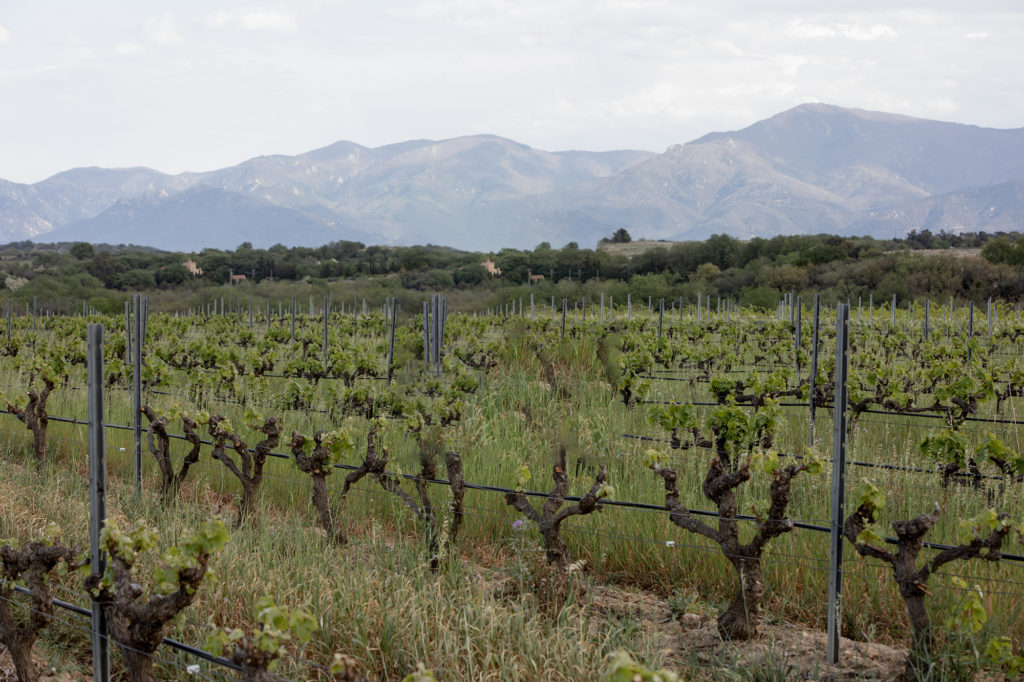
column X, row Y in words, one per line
column 670, row 543
column 193, row 669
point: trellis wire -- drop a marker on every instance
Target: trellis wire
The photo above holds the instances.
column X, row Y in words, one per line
column 166, row 641
column 608, row 503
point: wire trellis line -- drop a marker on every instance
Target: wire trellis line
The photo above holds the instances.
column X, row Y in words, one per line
column 167, row 641
column 870, row 465
column 571, row 498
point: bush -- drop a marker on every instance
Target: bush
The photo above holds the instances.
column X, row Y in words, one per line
column 427, row 279
column 134, row 279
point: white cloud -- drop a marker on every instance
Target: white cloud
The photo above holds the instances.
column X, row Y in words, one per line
column 31, row 71
column 802, row 29
column 943, row 107
column 219, row 19
column 759, row 89
column 790, row 64
column 163, row 29
column 128, row 49
column 855, row 32
column 5, row 35
column 555, row 75
column 269, row 21
column 253, row 20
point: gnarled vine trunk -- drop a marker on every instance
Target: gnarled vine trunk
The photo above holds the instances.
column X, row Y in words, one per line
column 318, row 465
column 160, row 447
column 33, row 563
column 250, row 473
column 549, row 519
column 18, row 640
column 742, row 618
column 913, row 581
column 137, row 627
column 254, row 661
column 36, row 419
column 453, row 463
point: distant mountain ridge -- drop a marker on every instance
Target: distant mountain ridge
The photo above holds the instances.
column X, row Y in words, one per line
column 814, row 168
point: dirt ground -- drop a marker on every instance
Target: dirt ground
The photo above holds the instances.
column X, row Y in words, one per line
column 48, row 674
column 692, row 643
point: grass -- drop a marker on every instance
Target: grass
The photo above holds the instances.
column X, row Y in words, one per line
column 633, row 248
column 376, row 601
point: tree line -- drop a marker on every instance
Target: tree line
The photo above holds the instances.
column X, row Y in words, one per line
column 753, row 272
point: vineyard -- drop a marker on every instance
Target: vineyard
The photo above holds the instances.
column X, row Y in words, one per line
column 320, row 492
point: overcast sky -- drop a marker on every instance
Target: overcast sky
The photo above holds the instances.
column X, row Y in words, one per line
column 196, row 85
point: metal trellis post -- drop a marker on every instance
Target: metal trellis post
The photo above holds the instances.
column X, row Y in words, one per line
column 128, row 332
column 426, row 337
column 326, row 319
column 927, row 313
column 565, row 306
column 970, row 327
column 137, row 392
column 835, row 575
column 989, row 315
column 391, row 338
column 661, row 315
column 97, row 497
column 814, row 359
column 797, row 327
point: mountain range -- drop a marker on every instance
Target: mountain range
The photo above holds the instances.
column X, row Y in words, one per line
column 814, row 168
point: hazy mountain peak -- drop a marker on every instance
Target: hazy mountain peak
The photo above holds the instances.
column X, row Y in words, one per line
column 823, row 109
column 813, row 168
column 95, row 175
column 343, row 149
column 811, row 141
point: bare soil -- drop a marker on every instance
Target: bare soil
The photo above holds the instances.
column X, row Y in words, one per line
column 48, row 673
column 691, row 643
